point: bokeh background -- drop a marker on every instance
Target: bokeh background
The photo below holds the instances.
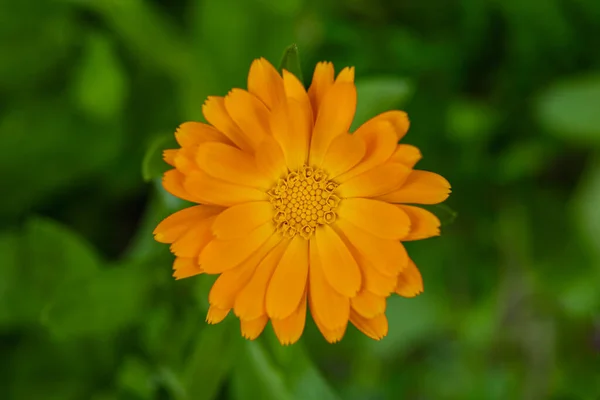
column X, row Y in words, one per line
column 504, row 99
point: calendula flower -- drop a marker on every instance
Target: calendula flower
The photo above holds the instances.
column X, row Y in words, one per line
column 295, row 212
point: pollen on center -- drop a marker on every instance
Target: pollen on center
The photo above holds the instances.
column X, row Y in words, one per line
column 302, row 201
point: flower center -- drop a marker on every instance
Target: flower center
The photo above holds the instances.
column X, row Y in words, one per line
column 303, row 200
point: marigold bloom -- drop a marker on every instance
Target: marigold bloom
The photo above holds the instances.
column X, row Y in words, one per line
column 293, row 210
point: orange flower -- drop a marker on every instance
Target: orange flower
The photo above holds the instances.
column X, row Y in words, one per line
column 293, row 210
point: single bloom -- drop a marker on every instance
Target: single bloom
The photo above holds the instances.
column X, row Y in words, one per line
column 293, row 211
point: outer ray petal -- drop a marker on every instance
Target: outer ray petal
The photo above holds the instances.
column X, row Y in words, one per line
column 185, row 267
column 375, row 281
column 346, row 75
column 378, row 218
column 344, row 153
column 421, row 187
column 265, row 83
column 376, row 181
column 194, row 240
column 251, row 329
column 173, row 181
column 216, row 114
column 288, row 283
column 289, row 329
column 339, row 266
column 321, row 82
column 331, row 335
column 410, row 282
column 250, row 114
column 210, row 190
column 270, row 159
column 240, row 220
column 175, row 225
column 169, row 156
column 368, row 304
column 216, row 314
column 192, row 133
column 423, row 224
column 406, row 154
column 229, row 283
column 375, row 328
column 398, row 120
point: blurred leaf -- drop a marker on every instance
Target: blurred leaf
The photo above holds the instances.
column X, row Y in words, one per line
column 523, row 160
column 153, row 164
column 445, row 214
column 135, row 378
column 215, row 352
column 256, row 377
column 106, row 302
column 290, row 61
column 100, row 85
column 470, row 121
column 586, row 205
column 379, row 94
column 9, row 274
column 569, row 109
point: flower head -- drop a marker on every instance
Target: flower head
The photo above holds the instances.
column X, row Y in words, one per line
column 295, row 212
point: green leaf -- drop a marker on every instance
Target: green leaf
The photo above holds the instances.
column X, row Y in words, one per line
column 153, row 164
column 290, row 61
column 100, row 85
column 213, row 357
column 586, row 205
column 569, row 109
column 379, row 94
column 445, row 214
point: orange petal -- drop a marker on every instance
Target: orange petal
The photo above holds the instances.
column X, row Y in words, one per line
column 215, row 191
column 376, row 181
column 295, row 89
column 387, row 255
column 265, row 82
column 250, row 301
column 398, row 120
column 368, row 304
column 192, row 133
column 251, row 329
column 270, row 159
column 221, row 255
column 334, row 117
column 194, row 240
column 344, row 153
column 169, row 156
column 378, row 218
column 321, row 82
column 228, row 285
column 216, row 114
column 184, row 267
column 410, row 282
column 172, row 182
column 239, row 220
column 300, row 118
column 185, row 160
column 339, row 266
column 330, row 307
column 176, row 224
column 231, row 165
column 249, row 114
column 375, row 328
column 380, row 142
column 375, row 281
column 216, row 315
column 423, row 224
column 346, row 75
column 289, row 329
column 421, row 187
column 406, row 154
column 288, row 283
column 331, row 335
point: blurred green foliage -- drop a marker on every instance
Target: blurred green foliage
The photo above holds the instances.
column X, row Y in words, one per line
column 504, row 99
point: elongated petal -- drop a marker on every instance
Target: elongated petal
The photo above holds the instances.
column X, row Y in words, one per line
column 406, row 154
column 398, row 120
column 240, row 220
column 216, row 114
column 193, row 133
column 184, row 267
column 421, row 187
column 231, row 165
column 216, row 314
column 330, row 307
column 387, row 255
column 374, row 281
column 265, row 83
column 185, row 160
column 334, row 117
column 288, row 330
column 211, row 190
column 339, row 266
column 376, row 181
column 270, row 159
column 250, row 114
column 295, row 89
column 250, row 301
column 375, row 328
column 346, row 75
column 345, row 151
column 331, row 335
column 410, row 282
column 169, row 156
column 321, row 82
column 288, row 282
column 251, row 329
column 378, row 218
column 380, row 142
column 423, row 224
column 173, row 181
column 175, row 225
column 368, row 304
column 194, row 240
column 228, row 284
column 221, row 255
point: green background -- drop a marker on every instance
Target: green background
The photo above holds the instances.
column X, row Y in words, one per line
column 504, row 99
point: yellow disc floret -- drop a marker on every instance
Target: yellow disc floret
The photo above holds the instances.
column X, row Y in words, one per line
column 303, row 200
